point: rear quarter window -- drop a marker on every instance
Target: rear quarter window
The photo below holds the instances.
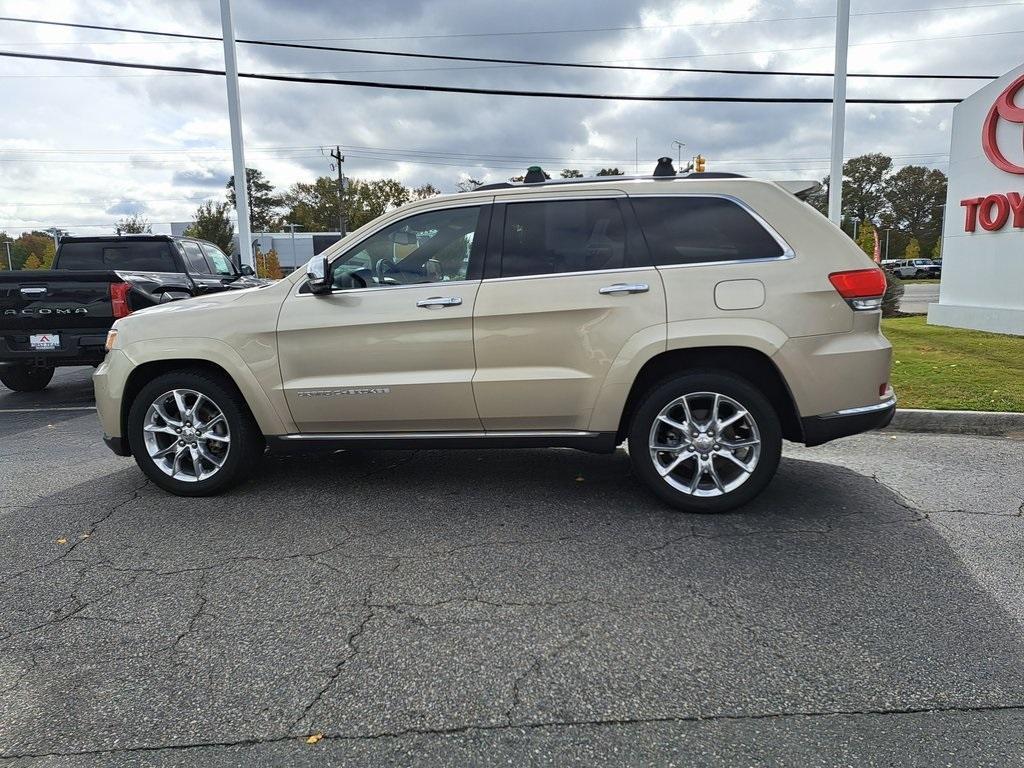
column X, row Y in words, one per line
column 695, row 230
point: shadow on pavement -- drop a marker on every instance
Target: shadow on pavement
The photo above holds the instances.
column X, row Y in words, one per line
column 450, row 598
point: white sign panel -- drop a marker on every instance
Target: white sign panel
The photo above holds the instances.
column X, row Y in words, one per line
column 983, row 237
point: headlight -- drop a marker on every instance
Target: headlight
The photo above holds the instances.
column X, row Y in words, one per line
column 111, row 340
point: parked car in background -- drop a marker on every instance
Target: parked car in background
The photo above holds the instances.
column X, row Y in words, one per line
column 701, row 319
column 60, row 317
column 915, row 268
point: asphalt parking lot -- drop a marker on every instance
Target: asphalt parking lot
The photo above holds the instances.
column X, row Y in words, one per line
column 506, row 608
column 918, row 295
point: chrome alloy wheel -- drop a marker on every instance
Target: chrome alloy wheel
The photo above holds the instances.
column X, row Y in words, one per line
column 705, row 444
column 186, row 435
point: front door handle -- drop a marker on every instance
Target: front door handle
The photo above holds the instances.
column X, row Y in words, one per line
column 440, row 301
column 623, row 288
column 32, row 293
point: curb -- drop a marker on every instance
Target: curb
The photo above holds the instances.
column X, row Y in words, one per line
column 991, row 423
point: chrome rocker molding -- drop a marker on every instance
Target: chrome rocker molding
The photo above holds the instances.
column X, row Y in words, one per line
column 595, row 442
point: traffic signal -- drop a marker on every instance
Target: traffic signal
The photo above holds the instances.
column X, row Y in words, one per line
column 698, row 163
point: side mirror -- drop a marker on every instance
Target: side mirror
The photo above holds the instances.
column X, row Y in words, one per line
column 247, row 271
column 317, row 271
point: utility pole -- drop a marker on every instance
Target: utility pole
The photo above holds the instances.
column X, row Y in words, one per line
column 835, row 179
column 336, row 166
column 10, row 264
column 237, row 150
column 887, row 244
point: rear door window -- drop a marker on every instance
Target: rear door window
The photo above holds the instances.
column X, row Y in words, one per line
column 552, row 237
column 194, row 258
column 218, row 259
column 695, row 230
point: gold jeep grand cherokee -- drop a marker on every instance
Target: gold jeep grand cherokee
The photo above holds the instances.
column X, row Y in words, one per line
column 698, row 319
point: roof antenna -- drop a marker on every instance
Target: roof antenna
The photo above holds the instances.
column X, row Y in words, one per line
column 534, row 175
column 664, row 167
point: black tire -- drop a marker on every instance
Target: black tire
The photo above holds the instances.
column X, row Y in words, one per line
column 920, row 274
column 760, row 410
column 246, row 441
column 25, row 378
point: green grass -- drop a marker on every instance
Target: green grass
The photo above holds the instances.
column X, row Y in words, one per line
column 951, row 368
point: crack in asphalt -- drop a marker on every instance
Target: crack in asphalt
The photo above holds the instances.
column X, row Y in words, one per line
column 83, row 538
column 533, row 725
column 199, row 612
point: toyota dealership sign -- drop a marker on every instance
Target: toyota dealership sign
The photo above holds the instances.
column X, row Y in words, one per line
column 983, row 237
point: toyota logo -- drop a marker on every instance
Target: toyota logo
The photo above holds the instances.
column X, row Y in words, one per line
column 1006, row 109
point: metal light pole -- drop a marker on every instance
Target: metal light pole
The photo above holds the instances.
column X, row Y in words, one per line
column 292, row 227
column 887, row 243
column 10, row 264
column 679, row 147
column 835, row 183
column 237, row 151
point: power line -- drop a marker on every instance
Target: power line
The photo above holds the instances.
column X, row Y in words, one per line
column 464, row 90
column 531, row 62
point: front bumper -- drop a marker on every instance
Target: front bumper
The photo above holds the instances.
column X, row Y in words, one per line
column 108, row 383
column 852, row 421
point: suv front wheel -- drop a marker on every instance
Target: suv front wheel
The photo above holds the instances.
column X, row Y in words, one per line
column 705, row 442
column 192, row 434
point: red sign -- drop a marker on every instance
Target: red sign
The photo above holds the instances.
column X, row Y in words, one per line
column 994, row 211
column 1006, row 109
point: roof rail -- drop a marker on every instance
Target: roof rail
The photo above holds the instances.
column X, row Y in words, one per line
column 594, row 179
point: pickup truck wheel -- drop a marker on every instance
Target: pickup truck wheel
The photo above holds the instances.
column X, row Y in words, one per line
column 705, row 441
column 192, row 433
column 25, row 378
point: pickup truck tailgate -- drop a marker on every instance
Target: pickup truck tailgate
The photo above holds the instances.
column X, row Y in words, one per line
column 74, row 307
column 38, row 300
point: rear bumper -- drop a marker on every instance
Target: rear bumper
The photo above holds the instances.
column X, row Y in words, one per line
column 76, row 348
column 852, row 421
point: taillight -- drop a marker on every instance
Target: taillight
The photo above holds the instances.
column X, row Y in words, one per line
column 119, row 299
column 862, row 288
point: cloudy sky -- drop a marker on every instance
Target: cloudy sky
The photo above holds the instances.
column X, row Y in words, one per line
column 80, row 145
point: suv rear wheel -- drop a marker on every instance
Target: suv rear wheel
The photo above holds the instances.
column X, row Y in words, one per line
column 705, row 441
column 25, row 378
column 192, row 434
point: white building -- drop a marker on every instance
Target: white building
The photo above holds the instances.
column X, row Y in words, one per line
column 983, row 237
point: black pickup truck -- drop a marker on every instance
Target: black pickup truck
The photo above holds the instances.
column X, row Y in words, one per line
column 60, row 316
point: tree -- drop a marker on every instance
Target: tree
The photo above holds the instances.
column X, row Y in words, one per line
column 866, row 238
column 937, row 250
column 211, row 222
column 864, row 180
column 913, row 250
column 263, row 203
column 468, row 185
column 268, row 265
column 5, row 238
column 915, row 197
column 314, row 207
column 424, row 191
column 893, row 294
column 29, row 244
column 135, row 224
column 33, row 262
column 571, row 173
column 366, row 200
column 611, row 172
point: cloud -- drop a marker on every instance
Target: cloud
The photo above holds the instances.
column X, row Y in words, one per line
column 126, row 208
column 203, row 177
column 162, row 141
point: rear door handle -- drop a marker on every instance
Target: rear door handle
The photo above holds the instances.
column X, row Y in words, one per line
column 624, row 288
column 440, row 301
